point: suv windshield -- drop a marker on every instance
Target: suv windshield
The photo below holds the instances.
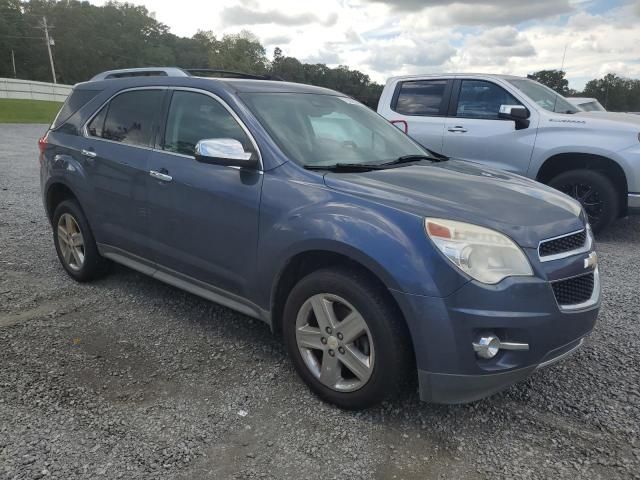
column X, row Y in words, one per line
column 544, row 96
column 319, row 130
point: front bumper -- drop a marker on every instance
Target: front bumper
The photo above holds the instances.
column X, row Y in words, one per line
column 518, row 309
column 451, row 388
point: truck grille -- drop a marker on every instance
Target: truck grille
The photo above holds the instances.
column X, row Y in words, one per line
column 567, row 243
column 573, row 291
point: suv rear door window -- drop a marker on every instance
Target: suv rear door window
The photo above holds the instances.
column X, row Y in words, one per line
column 480, row 99
column 421, row 97
column 194, row 117
column 129, row 118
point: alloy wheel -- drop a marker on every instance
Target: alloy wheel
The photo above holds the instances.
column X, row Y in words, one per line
column 335, row 342
column 588, row 196
column 71, row 242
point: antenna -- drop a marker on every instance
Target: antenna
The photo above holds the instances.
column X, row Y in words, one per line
column 555, row 99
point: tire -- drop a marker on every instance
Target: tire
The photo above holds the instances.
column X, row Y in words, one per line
column 384, row 343
column 82, row 262
column 595, row 191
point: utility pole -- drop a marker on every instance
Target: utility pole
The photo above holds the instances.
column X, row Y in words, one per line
column 49, row 40
column 13, row 62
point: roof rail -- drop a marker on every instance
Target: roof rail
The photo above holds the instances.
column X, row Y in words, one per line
column 141, row 72
column 230, row 73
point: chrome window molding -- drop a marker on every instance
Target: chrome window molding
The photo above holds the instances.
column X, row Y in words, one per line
column 593, row 300
column 85, row 131
column 585, row 248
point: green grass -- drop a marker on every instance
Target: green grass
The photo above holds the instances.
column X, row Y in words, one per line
column 27, row 111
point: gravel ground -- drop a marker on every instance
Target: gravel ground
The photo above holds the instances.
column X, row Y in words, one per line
column 129, row 378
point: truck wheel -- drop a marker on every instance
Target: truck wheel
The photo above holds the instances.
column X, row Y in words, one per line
column 75, row 245
column 346, row 339
column 594, row 191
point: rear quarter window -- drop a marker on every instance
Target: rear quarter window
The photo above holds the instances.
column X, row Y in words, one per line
column 74, row 102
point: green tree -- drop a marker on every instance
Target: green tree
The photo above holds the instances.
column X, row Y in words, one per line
column 615, row 93
column 554, row 79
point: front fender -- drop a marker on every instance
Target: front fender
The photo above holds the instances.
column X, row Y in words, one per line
column 389, row 242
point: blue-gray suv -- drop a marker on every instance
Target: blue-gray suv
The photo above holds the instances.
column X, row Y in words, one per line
column 372, row 256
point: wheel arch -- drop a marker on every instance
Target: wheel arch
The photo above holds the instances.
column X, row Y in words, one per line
column 56, row 193
column 564, row 162
column 303, row 263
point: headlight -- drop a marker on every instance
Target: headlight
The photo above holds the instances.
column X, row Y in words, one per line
column 483, row 254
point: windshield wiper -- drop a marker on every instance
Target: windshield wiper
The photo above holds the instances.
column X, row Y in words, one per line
column 344, row 167
column 434, row 157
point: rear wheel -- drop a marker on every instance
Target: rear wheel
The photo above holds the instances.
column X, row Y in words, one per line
column 346, row 339
column 74, row 242
column 595, row 192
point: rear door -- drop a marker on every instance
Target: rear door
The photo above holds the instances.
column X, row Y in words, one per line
column 473, row 130
column 118, row 141
column 204, row 218
column 419, row 107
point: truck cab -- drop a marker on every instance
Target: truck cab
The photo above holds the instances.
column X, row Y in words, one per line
column 518, row 125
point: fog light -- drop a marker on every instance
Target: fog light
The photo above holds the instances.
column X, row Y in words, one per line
column 487, row 346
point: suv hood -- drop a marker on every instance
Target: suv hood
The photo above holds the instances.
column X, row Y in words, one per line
column 524, row 210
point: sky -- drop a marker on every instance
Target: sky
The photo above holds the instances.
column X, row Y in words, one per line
column 383, row 38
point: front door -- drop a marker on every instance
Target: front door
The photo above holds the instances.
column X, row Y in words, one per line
column 473, row 130
column 204, row 218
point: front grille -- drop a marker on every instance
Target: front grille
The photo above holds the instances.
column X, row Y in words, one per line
column 574, row 290
column 564, row 244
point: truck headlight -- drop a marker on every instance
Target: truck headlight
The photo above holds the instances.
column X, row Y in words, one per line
column 483, row 254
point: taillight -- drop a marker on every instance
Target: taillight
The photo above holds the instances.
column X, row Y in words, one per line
column 401, row 124
column 42, row 142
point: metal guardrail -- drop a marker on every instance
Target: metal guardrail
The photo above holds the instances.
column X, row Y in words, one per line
column 30, row 90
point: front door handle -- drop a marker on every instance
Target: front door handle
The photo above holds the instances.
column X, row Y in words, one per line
column 457, row 129
column 89, row 153
column 162, row 175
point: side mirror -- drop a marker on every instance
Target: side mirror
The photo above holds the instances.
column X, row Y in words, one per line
column 224, row 151
column 518, row 113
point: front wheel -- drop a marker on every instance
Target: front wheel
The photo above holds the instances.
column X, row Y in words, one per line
column 346, row 339
column 595, row 192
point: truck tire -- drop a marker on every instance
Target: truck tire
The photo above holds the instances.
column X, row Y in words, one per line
column 595, row 192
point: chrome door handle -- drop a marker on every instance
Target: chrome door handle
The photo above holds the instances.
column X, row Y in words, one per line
column 160, row 176
column 457, row 129
column 89, row 153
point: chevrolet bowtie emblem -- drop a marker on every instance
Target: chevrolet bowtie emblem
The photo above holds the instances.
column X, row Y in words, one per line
column 591, row 260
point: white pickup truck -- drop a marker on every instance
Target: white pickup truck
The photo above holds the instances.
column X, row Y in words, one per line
column 517, row 124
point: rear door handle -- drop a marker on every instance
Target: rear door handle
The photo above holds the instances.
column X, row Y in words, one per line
column 458, row 129
column 89, row 153
column 161, row 175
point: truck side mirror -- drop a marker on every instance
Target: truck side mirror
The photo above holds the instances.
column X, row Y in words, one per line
column 517, row 113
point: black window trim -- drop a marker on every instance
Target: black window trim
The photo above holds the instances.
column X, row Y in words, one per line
column 164, row 111
column 455, row 96
column 446, row 95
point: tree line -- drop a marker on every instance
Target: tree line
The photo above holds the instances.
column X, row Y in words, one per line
column 90, row 39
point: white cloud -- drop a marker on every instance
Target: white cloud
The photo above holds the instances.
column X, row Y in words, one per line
column 390, row 37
